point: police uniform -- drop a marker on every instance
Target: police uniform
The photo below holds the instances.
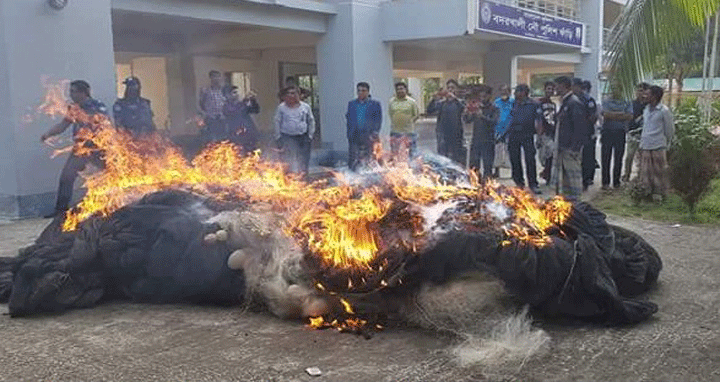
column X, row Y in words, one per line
column 76, row 163
column 589, row 164
column 134, row 115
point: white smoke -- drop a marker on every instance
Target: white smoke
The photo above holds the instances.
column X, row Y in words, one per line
column 431, row 214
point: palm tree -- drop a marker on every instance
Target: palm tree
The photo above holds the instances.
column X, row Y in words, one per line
column 648, row 29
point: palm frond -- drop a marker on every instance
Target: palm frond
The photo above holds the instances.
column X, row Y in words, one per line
column 646, row 29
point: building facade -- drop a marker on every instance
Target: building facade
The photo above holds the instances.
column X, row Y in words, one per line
column 328, row 46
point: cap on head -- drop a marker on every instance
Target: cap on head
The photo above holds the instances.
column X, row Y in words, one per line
column 130, row 81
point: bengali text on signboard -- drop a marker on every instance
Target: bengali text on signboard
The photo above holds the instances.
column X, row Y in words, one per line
column 500, row 18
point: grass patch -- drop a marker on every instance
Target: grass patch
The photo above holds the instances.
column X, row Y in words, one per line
column 673, row 210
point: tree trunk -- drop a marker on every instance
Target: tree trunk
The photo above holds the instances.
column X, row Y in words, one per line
column 680, row 80
column 669, row 98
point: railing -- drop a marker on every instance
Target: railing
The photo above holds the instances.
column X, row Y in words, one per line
column 569, row 9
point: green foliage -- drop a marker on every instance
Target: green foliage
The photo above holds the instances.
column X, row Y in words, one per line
column 710, row 204
column 691, row 157
column 618, row 202
column 638, row 192
column 430, row 86
column 647, row 29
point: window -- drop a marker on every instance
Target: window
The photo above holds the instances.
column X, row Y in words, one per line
column 242, row 81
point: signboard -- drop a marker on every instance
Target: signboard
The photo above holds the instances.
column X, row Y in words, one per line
column 504, row 19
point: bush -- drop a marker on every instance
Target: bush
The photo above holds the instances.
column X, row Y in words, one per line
column 638, row 191
column 710, row 204
column 692, row 156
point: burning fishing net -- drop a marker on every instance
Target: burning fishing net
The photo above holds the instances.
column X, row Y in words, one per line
column 344, row 251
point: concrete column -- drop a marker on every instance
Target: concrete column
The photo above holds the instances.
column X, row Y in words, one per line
column 415, row 88
column 499, row 67
column 591, row 13
column 351, row 51
column 175, row 83
column 38, row 41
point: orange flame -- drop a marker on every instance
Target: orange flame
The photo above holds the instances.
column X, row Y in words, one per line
column 55, row 102
column 339, row 224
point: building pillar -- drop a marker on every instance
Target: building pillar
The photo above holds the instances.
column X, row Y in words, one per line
column 591, row 13
column 499, row 67
column 39, row 42
column 352, row 50
column 415, row 90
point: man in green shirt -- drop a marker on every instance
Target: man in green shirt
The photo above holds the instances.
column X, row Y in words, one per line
column 403, row 114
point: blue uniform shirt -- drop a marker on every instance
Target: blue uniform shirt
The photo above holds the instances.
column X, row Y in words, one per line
column 134, row 115
column 523, row 117
column 91, row 107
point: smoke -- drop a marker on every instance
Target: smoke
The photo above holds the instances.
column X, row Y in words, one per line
column 431, row 214
column 477, row 310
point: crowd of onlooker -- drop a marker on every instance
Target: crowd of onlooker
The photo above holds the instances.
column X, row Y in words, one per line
column 559, row 130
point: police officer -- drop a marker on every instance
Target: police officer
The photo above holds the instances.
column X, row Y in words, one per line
column 581, row 89
column 80, row 95
column 133, row 113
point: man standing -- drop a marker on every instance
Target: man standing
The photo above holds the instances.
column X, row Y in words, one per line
column 364, row 119
column 635, row 128
column 88, row 107
column 212, row 101
column 449, row 131
column 294, row 129
column 546, row 134
column 570, row 134
column 133, row 113
column 403, row 114
column 504, row 104
column 616, row 114
column 240, row 125
column 582, row 90
column 484, row 118
column 657, row 134
column 523, row 119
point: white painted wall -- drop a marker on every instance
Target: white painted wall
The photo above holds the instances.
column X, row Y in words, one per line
column 591, row 13
column 419, row 19
column 352, row 50
column 75, row 43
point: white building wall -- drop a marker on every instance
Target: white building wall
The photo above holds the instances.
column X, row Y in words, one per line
column 351, row 51
column 38, row 41
column 591, row 13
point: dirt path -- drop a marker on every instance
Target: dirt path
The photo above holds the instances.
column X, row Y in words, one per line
column 124, row 341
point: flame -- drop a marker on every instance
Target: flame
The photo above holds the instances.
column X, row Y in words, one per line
column 346, row 305
column 55, row 103
column 316, row 322
column 339, row 224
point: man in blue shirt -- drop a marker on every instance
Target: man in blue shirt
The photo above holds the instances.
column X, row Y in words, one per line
column 79, row 113
column 617, row 113
column 364, row 118
column 132, row 112
column 504, row 103
column 522, row 127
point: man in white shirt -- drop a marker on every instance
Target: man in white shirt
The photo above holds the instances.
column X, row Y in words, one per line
column 657, row 134
column 294, row 130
